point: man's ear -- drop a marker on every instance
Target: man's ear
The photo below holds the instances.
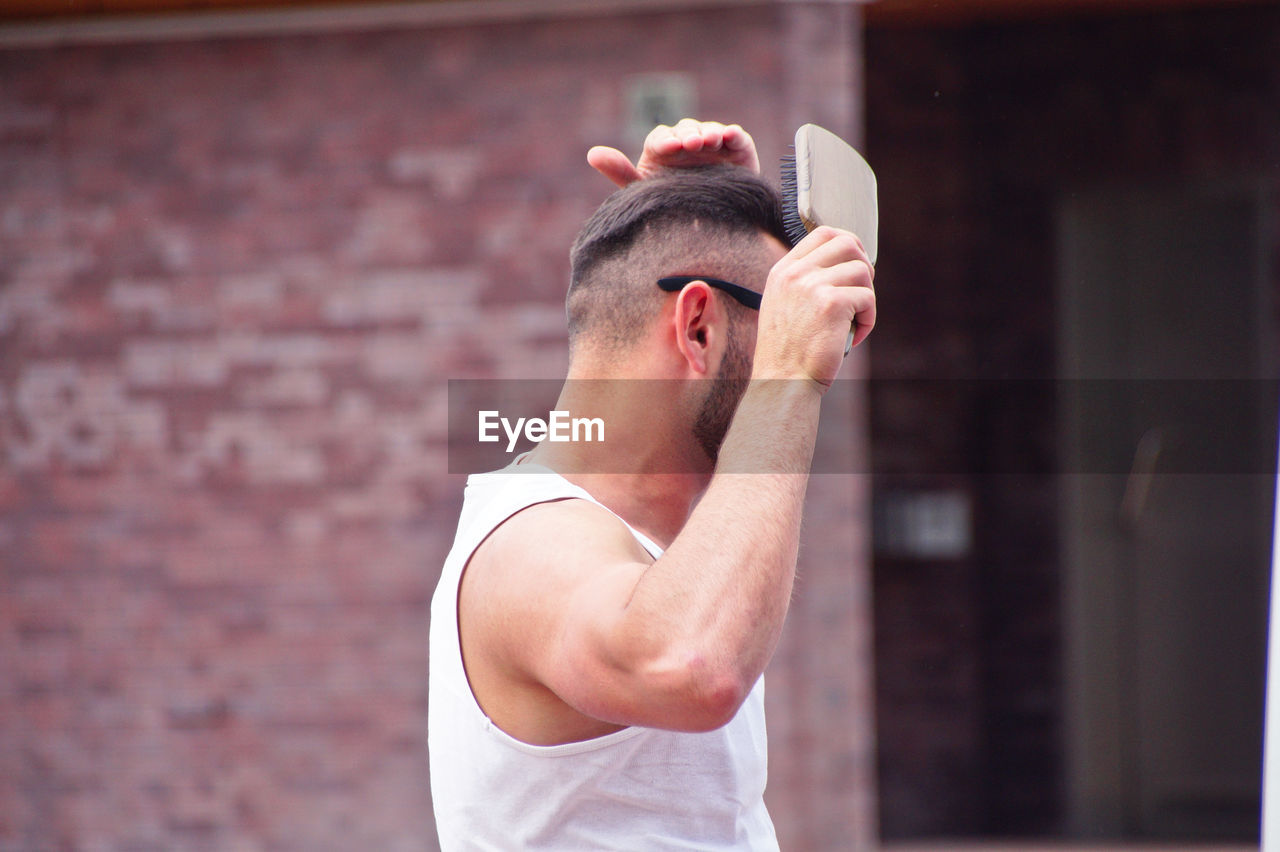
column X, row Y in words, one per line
column 695, row 332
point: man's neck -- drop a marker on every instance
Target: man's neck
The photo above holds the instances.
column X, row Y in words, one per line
column 645, row 470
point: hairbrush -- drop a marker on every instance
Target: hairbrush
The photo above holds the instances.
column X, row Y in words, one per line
column 827, row 182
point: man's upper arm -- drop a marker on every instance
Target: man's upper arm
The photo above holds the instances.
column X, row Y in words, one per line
column 544, row 599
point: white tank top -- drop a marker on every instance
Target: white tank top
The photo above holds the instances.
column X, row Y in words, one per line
column 634, row 789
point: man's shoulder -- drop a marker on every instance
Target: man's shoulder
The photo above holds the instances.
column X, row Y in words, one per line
column 561, row 531
column 517, row 583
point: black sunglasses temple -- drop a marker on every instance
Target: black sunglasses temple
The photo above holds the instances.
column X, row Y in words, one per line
column 749, row 298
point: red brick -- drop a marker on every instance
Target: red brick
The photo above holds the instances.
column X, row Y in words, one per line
column 235, row 274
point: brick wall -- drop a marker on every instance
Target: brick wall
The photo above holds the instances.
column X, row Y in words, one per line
column 235, row 274
column 976, row 133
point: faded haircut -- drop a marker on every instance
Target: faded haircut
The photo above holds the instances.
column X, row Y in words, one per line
column 697, row 221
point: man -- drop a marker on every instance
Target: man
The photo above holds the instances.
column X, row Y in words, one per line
column 602, row 624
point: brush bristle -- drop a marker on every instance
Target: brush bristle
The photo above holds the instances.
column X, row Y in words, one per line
column 792, row 222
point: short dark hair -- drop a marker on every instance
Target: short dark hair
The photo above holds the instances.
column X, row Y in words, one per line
column 685, row 221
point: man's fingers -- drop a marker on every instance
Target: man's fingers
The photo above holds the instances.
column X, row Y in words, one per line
column 821, row 238
column 613, row 164
column 663, row 140
column 830, row 247
column 864, row 316
column 853, row 302
column 697, row 135
column 852, row 278
column 735, row 138
column 700, row 137
column 686, row 144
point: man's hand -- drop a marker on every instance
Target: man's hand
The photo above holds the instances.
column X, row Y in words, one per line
column 814, row 293
column 689, row 143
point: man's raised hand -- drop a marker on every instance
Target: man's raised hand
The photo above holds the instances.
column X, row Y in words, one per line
column 689, row 143
column 813, row 295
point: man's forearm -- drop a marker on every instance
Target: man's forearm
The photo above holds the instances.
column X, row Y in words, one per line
column 721, row 590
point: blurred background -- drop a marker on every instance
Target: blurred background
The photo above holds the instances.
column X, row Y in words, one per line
column 244, row 246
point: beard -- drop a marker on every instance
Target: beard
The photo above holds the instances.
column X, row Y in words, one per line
column 727, row 388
